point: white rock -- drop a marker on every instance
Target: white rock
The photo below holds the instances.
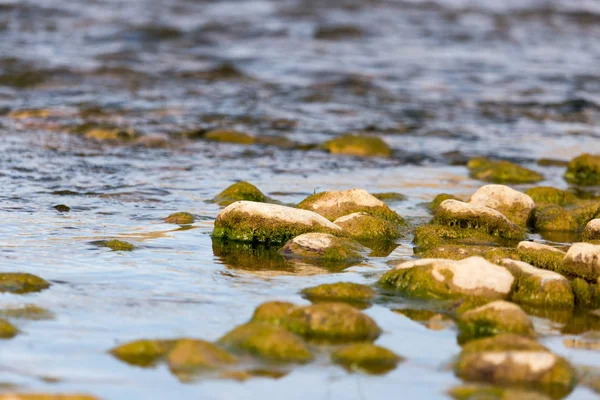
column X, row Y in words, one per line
column 316, row 245
column 536, row 361
column 511, row 203
column 592, row 230
column 530, row 270
column 526, row 245
column 583, row 260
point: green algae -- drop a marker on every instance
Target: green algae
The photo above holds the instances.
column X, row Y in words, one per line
column 366, row 357
column 118, row 245
column 440, row 198
column 187, row 357
column 359, row 146
column 501, row 171
column 180, row 218
column 340, row 291
column 272, row 312
column 584, row 170
column 7, row 330
column 364, row 227
column 554, row 218
column 542, row 258
column 551, row 195
column 20, row 283
column 143, row 353
column 390, row 197
column 239, row 191
column 229, row 136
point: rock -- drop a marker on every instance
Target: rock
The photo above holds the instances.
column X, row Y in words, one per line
column 365, row 227
column 180, row 218
column 539, row 287
column 229, row 136
column 440, row 198
column 447, row 279
column 189, row 356
column 154, row 141
column 45, row 396
column 541, row 255
column 431, row 236
column 501, row 171
column 486, row 392
column 341, row 291
column 239, row 191
column 390, row 197
column 324, row 248
column 269, row 223
column 592, row 230
column 19, row 283
column 118, row 245
column 62, row 208
column 457, row 214
column 360, row 146
column 556, row 218
column 338, row 32
column 28, row 311
column 143, row 353
column 333, row 205
column 332, row 322
column 551, row 195
column 366, row 357
column 584, row 170
column 7, row 330
column 586, row 295
column 267, row 341
column 453, row 251
column 583, row 261
column 272, row 312
column 491, row 319
column 509, row 359
column 110, row 134
column 515, row 206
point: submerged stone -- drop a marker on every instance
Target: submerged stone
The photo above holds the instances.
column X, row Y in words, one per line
column 492, row 319
column 430, row 319
column 360, row 146
column 229, row 136
column 583, row 261
column 323, row 247
column 584, row 170
column 447, row 279
column 341, row 291
column 541, row 255
column 269, row 223
column 336, row 204
column 551, row 195
column 189, row 356
column 591, row 230
column 110, row 134
column 19, row 283
column 240, row 191
column 332, row 322
column 28, row 311
column 365, row 227
column 429, row 237
column 180, row 218
column 539, row 287
column 501, row 171
column 366, row 357
column 7, row 330
column 514, row 205
column 143, row 353
column 556, row 218
column 62, row 208
column 272, row 312
column 118, row 245
column 267, row 341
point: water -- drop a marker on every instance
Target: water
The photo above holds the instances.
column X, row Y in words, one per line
column 516, row 80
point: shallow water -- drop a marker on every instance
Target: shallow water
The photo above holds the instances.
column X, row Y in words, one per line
column 517, row 80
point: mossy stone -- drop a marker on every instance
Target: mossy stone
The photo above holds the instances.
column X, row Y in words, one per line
column 365, row 227
column 453, row 251
column 180, row 218
column 229, row 136
column 332, row 322
column 119, row 245
column 586, row 295
column 431, row 236
column 272, row 312
column 501, row 171
column 267, row 341
column 324, row 248
column 390, row 197
column 492, row 319
column 584, row 170
column 28, row 311
column 366, row 357
column 189, row 356
column 541, row 256
column 340, row 291
column 358, row 145
column 591, row 231
column 19, row 283
column 583, row 261
column 143, row 353
column 7, row 330
column 514, row 205
column 551, row 195
column 440, row 198
column 239, row 191
column 553, row 218
column 62, row 208
column 110, row 134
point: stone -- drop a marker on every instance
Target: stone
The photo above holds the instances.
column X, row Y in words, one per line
column 583, row 261
column 514, row 205
column 340, row 291
column 365, row 227
column 323, row 247
column 180, row 218
column 541, row 255
column 551, row 195
column 7, row 330
column 272, row 312
column 144, row 352
column 188, row 356
column 20, row 283
column 584, row 170
column 366, row 357
column 491, row 319
column 591, row 230
column 360, row 146
column 501, row 171
column 229, row 136
column 240, row 191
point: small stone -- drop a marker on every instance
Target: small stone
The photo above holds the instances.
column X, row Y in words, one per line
column 541, row 255
column 188, row 356
column 501, row 171
column 440, row 198
column 180, row 218
column 272, row 312
column 514, row 205
column 365, row 227
column 390, row 197
column 341, row 291
column 143, row 353
column 554, row 218
column 28, row 311
column 229, row 136
column 118, row 245
column 62, row 208
column 239, row 191
column 430, row 236
column 584, row 170
column 592, row 230
column 323, row 247
column 583, row 261
column 492, row 319
column 360, row 146
column 7, row 330
column 19, row 283
column 551, row 195
column 366, row 357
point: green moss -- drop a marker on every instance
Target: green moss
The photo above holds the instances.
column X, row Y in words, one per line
column 432, row 236
column 272, row 312
column 496, row 254
column 551, row 195
column 544, row 259
column 143, row 353
column 16, row 282
column 501, row 171
column 390, row 197
column 360, row 146
column 366, row 357
column 267, row 341
column 239, row 191
column 180, row 218
column 454, row 251
column 323, row 248
column 554, row 218
column 229, row 136
column 584, row 170
column 437, row 200
column 586, row 295
column 365, row 227
column 118, row 245
column 7, row 330
column 28, row 311
column 341, row 291
column 190, row 356
column 332, row 322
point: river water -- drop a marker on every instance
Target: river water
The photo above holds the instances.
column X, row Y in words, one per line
column 439, row 81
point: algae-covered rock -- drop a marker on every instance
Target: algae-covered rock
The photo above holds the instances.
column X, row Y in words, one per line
column 539, row 287
column 390, row 197
column 591, row 230
column 7, row 330
column 501, row 171
column 62, row 208
column 541, row 255
column 491, row 319
column 457, row 214
column 45, row 396
column 272, row 312
column 267, row 341
column 361, row 146
column 250, row 256
column 431, row 236
column 341, row 291
column 365, row 227
column 336, row 204
column 366, row 357
column 325, row 248
column 551, row 195
column 447, row 279
column 554, row 218
column 143, row 353
column 28, row 311
column 586, row 295
column 180, row 218
column 118, row 245
column 189, row 356
column 239, row 191
column 110, row 134
column 440, row 198
column 487, row 392
column 509, row 359
column 453, row 251
column 584, row 170
column 583, row 261
column 229, row 136
column 514, row 205
column 17, row 282
column 332, row 322
column 269, row 223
